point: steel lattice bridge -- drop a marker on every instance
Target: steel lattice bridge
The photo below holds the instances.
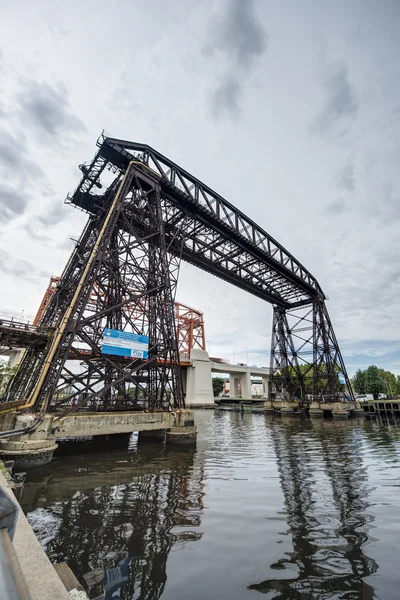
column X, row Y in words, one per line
column 123, row 275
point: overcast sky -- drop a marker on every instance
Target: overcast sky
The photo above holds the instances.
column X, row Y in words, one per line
column 289, row 109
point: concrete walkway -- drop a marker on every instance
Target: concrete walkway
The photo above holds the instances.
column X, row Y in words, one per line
column 40, row 576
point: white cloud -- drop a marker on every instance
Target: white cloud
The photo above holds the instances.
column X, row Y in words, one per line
column 331, row 199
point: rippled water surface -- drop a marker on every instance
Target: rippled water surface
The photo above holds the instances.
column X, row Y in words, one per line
column 281, row 507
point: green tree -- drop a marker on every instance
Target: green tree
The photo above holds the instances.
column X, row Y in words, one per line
column 6, row 374
column 374, row 382
column 218, row 385
column 307, row 372
column 359, row 382
column 391, row 382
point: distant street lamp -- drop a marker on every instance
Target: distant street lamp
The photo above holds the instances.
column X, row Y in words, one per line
column 247, row 354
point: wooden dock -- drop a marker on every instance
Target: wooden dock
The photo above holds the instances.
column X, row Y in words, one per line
column 378, row 408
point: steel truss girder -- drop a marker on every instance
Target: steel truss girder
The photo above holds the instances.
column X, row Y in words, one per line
column 208, row 232
column 232, row 237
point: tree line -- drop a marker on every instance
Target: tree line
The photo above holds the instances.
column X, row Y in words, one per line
column 374, row 380
column 371, row 380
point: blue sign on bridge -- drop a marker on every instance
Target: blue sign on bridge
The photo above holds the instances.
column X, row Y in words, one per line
column 125, row 343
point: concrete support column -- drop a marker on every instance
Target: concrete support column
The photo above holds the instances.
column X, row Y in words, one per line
column 233, row 386
column 198, row 379
column 246, row 386
column 16, row 357
column 265, row 387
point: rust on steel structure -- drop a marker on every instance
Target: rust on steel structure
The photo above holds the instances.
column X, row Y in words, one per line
column 48, row 295
column 145, row 215
column 113, row 256
column 189, row 322
column 189, row 329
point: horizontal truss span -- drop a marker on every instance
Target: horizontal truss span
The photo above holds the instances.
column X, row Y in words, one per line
column 123, row 275
column 218, row 237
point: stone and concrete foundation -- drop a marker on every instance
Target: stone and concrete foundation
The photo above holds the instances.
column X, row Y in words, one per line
column 340, row 413
column 184, row 431
column 32, row 450
column 181, row 435
column 28, row 453
column 269, row 408
column 337, row 410
column 37, row 448
column 316, row 413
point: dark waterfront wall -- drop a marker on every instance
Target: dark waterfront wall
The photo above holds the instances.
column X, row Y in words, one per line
column 290, row 508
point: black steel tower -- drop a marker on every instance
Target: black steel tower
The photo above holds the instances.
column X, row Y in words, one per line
column 122, row 275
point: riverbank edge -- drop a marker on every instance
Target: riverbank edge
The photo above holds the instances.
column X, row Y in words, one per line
column 39, row 573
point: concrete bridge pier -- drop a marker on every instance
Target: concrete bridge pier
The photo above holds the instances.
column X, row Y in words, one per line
column 31, row 450
column 240, row 385
column 184, row 432
column 197, row 379
column 316, row 413
column 340, row 413
column 269, row 407
column 37, row 448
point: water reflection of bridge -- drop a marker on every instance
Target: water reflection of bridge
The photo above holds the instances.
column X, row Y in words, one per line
column 326, row 504
column 117, row 508
column 140, row 506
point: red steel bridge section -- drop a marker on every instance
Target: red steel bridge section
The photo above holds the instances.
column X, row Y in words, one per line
column 145, row 215
column 189, row 323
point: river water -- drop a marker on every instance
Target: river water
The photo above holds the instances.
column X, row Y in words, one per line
column 287, row 508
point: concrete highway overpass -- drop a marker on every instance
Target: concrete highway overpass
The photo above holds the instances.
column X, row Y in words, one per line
column 197, row 378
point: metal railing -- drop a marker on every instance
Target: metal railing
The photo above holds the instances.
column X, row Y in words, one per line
column 20, row 325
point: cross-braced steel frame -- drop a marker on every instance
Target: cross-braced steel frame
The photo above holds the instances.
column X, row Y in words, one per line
column 119, row 276
column 123, row 274
column 189, row 329
column 305, row 361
